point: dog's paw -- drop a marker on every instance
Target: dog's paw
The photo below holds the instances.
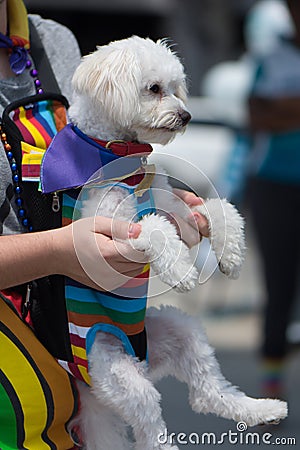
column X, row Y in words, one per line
column 226, row 227
column 262, row 411
column 231, row 264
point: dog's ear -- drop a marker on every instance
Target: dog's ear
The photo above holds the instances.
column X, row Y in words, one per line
column 111, row 78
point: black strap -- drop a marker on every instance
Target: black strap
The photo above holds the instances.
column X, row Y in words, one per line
column 41, row 61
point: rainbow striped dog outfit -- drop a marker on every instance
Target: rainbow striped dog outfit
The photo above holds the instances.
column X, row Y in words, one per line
column 121, row 313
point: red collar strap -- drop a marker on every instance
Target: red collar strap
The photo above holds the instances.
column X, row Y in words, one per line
column 124, row 148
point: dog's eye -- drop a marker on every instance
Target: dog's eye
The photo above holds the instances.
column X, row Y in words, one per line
column 155, row 88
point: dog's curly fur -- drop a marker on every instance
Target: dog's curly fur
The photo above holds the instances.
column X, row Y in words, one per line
column 135, row 90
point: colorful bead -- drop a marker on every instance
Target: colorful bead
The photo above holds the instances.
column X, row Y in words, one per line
column 34, row 73
column 14, row 168
column 19, row 201
column 21, row 212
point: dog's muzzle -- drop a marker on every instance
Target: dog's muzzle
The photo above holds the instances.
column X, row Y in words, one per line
column 185, row 117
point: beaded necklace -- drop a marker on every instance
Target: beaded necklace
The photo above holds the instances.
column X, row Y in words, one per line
column 16, row 178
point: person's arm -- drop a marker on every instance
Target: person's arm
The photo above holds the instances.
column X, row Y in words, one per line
column 274, row 115
column 89, row 250
column 83, row 251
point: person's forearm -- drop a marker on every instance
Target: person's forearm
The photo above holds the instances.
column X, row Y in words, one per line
column 84, row 251
column 25, row 257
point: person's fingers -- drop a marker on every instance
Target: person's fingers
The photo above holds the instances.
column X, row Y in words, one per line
column 129, row 254
column 190, row 235
column 197, row 220
column 110, row 235
column 188, row 197
column 116, row 229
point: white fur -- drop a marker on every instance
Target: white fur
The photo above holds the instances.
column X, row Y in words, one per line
column 114, row 100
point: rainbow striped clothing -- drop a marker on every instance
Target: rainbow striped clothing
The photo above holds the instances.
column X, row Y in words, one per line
column 121, row 313
column 37, row 399
column 38, row 123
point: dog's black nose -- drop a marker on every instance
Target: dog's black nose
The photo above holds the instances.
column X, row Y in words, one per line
column 185, row 117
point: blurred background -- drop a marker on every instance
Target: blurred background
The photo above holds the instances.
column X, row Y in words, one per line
column 219, row 42
column 206, row 31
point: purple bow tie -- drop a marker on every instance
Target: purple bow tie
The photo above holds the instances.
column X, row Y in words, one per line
column 18, row 57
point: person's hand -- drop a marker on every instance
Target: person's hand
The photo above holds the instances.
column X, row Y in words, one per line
column 191, row 231
column 90, row 251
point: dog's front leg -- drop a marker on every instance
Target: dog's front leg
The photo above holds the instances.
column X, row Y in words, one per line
column 120, row 383
column 226, row 234
column 226, row 226
column 168, row 255
column 178, row 347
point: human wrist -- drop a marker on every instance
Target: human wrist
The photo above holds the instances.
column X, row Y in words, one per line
column 55, row 251
column 61, row 248
column 50, row 252
column 42, row 257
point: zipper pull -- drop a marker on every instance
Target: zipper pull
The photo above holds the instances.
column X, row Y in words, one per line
column 27, row 303
column 55, row 202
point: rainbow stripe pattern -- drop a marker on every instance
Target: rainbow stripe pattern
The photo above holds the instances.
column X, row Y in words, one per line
column 121, row 313
column 36, row 396
column 38, row 123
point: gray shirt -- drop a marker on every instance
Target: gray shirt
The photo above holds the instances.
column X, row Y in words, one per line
column 64, row 56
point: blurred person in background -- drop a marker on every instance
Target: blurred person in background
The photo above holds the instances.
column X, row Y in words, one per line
column 269, row 72
column 274, row 191
column 229, row 83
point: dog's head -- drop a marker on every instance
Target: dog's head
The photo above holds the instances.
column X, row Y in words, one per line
column 138, row 86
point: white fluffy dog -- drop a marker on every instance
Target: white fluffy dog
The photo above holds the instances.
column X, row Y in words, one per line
column 135, row 90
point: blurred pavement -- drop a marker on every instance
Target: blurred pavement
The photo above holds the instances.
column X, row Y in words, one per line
column 230, row 313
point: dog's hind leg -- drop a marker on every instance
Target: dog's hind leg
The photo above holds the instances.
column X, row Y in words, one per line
column 101, row 429
column 120, row 383
column 178, row 347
